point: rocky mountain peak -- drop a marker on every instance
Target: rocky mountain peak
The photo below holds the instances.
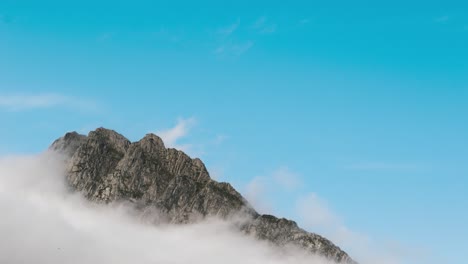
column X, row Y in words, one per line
column 152, row 139
column 110, row 138
column 105, row 167
column 69, row 143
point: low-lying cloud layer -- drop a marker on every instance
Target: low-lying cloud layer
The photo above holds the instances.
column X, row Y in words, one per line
column 44, row 223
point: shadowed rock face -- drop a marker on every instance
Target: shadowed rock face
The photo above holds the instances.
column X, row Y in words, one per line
column 105, row 167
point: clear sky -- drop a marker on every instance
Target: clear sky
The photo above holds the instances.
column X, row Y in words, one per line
column 344, row 115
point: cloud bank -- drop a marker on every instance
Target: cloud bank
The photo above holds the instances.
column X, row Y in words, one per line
column 23, row 102
column 260, row 189
column 314, row 213
column 43, row 223
column 172, row 136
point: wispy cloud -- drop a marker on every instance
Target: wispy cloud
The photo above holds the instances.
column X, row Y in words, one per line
column 234, row 49
column 228, row 30
column 256, row 193
column 314, row 213
column 240, row 49
column 263, row 26
column 5, row 19
column 173, row 36
column 385, row 166
column 260, row 22
column 304, row 21
column 172, row 136
column 219, row 139
column 105, row 36
column 24, row 102
column 231, row 45
column 260, row 189
column 442, row 19
column 286, row 178
column 181, row 136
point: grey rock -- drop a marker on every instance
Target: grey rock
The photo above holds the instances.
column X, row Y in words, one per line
column 106, row 167
column 68, row 144
column 283, row 232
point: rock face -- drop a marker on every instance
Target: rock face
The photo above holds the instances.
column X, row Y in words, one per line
column 105, row 167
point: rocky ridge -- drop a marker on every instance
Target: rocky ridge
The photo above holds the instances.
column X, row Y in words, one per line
column 106, row 167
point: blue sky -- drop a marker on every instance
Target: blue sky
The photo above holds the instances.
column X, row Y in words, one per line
column 357, row 110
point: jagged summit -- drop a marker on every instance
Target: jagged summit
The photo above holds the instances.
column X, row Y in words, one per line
column 105, row 167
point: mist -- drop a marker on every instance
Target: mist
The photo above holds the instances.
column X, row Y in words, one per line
column 43, row 222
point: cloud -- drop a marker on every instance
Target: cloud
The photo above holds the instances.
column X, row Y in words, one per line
column 172, row 136
column 229, row 46
column 442, row 19
column 314, row 213
column 219, row 139
column 5, row 19
column 256, row 193
column 173, row 36
column 269, row 29
column 105, row 36
column 260, row 22
column 24, row 102
column 263, row 26
column 385, row 166
column 178, row 135
column 43, row 223
column 240, row 49
column 228, row 30
column 286, row 178
column 234, row 49
column 261, row 190
column 304, row 21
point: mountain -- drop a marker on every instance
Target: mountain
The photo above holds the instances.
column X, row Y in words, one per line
column 106, row 167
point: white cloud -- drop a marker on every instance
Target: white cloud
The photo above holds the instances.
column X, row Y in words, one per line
column 5, row 19
column 260, row 22
column 23, row 102
column 234, row 49
column 239, row 49
column 269, row 29
column 304, row 21
column 385, row 166
column 219, row 139
column 256, row 193
column 315, row 214
column 173, row 36
column 172, row 136
column 286, row 178
column 105, row 36
column 45, row 224
column 261, row 189
column 228, row 46
column 227, row 31
column 216, row 173
column 442, row 19
column 263, row 26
